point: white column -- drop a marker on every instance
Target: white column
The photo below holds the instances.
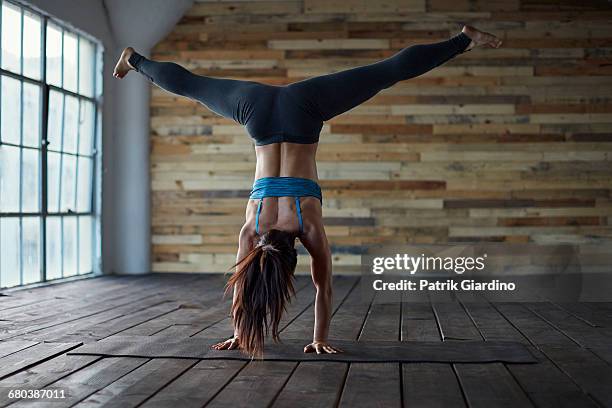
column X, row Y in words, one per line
column 140, row 24
column 132, row 210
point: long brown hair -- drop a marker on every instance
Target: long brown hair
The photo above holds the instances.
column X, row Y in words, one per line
column 264, row 285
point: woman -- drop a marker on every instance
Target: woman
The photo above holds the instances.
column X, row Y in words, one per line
column 285, row 202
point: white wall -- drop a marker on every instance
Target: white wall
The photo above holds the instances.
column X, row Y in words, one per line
column 125, row 139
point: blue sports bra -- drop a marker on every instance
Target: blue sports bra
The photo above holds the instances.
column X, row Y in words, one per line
column 284, row 187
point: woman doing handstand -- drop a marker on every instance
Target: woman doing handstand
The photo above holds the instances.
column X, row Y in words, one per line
column 286, row 200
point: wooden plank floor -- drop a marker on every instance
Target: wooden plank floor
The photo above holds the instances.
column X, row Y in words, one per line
column 573, row 343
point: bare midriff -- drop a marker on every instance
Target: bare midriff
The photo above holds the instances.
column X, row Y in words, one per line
column 285, row 160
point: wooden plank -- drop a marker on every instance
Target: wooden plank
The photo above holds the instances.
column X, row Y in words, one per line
column 454, row 323
column 258, row 7
column 327, row 379
column 301, row 302
column 426, row 384
column 303, row 327
column 482, row 384
column 363, row 6
column 552, row 387
column 547, row 386
column 26, row 324
column 209, row 376
column 20, row 296
column 349, row 319
column 77, row 311
column 376, row 384
column 138, row 385
column 257, row 384
column 382, row 323
column 273, row 374
column 491, row 324
column 431, row 385
column 531, row 326
column 224, row 328
column 41, row 375
column 18, row 300
column 576, row 329
column 176, row 331
column 208, row 311
column 591, row 374
column 31, row 356
column 65, row 296
column 81, row 325
column 12, row 346
column 348, row 43
column 418, row 322
column 82, row 383
column 59, row 305
column 591, row 316
column 313, row 384
column 115, row 326
column 490, row 385
column 196, row 386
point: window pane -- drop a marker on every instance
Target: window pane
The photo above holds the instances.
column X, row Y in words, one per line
column 31, row 180
column 53, row 181
column 86, row 66
column 84, row 184
column 54, row 55
column 31, row 115
column 70, row 61
column 99, row 81
column 11, row 254
column 10, row 110
column 54, row 130
column 86, row 127
column 31, row 249
column 85, row 244
column 71, row 118
column 9, row 178
column 31, row 45
column 68, row 183
column 11, row 37
column 70, row 246
column 54, row 248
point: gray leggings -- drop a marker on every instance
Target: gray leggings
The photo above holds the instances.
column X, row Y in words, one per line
column 295, row 112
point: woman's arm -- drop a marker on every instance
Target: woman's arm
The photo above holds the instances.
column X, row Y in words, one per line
column 245, row 245
column 315, row 242
column 321, row 271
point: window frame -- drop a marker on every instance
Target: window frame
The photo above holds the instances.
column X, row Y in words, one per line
column 95, row 155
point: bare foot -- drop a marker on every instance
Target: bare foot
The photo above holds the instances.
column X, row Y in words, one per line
column 480, row 38
column 123, row 66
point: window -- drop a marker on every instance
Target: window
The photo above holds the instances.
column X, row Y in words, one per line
column 49, row 125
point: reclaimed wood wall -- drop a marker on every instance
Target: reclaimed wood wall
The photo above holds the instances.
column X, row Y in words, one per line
column 508, row 145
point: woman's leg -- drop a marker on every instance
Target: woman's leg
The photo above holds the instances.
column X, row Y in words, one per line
column 223, row 96
column 332, row 94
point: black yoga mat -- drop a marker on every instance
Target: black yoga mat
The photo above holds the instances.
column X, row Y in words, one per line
column 293, row 350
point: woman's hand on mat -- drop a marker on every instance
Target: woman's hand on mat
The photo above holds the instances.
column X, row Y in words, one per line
column 229, row 344
column 321, row 347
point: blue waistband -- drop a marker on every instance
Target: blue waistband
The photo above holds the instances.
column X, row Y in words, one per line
column 285, row 187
